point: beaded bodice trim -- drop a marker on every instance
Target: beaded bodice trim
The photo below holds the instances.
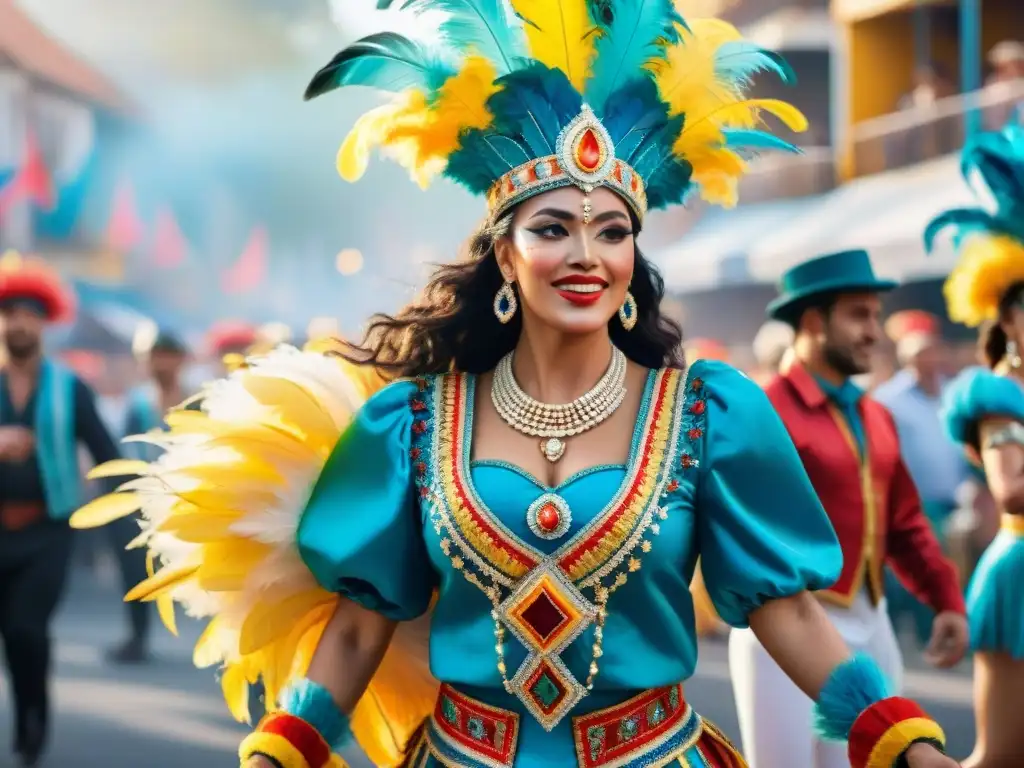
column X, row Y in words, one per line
column 597, row 559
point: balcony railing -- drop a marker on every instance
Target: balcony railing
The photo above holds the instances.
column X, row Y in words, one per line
column 914, row 135
column 776, row 177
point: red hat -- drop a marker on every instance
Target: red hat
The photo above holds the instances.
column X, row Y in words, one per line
column 911, row 321
column 33, row 280
column 230, row 336
column 705, row 349
column 912, row 330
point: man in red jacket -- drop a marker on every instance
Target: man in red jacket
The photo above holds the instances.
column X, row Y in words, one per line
column 851, row 452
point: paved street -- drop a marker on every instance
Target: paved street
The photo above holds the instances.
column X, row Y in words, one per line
column 169, row 715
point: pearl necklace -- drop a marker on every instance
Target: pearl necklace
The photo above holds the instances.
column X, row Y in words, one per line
column 554, row 422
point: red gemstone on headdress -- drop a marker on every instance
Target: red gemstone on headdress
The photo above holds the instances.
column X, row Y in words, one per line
column 588, row 151
column 548, row 518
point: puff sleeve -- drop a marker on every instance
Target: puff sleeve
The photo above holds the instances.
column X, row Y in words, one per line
column 975, row 394
column 361, row 532
column 761, row 529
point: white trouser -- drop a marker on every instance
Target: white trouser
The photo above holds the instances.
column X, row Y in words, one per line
column 775, row 716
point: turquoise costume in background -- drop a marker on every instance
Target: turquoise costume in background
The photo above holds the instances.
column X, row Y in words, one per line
column 995, row 598
column 741, row 500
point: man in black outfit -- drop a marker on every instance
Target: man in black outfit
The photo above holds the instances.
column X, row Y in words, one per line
column 164, row 355
column 45, row 413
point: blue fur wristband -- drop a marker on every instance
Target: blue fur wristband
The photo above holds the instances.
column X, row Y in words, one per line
column 313, row 703
column 852, row 687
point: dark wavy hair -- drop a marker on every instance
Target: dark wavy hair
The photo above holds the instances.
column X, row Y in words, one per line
column 451, row 325
column 993, row 340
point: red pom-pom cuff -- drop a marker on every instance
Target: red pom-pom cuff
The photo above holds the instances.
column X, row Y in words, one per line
column 290, row 740
column 886, row 729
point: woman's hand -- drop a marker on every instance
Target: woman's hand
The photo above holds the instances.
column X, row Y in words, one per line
column 926, row 756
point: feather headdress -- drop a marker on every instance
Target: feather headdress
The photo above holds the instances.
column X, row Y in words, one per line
column 521, row 96
column 989, row 239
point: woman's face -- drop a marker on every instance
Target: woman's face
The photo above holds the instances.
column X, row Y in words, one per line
column 572, row 276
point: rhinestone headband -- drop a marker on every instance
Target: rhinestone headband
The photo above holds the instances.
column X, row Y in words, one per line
column 584, row 157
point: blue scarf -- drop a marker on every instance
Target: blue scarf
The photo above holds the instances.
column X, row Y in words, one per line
column 56, row 440
column 846, row 398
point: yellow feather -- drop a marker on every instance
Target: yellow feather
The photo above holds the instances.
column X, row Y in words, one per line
column 160, row 583
column 200, row 527
column 688, row 84
column 207, row 650
column 270, row 620
column 228, row 498
column 119, row 468
column 303, row 411
column 164, row 603
column 365, row 136
column 106, row 509
column 227, row 564
column 236, row 691
column 987, row 267
column 561, row 35
column 421, row 135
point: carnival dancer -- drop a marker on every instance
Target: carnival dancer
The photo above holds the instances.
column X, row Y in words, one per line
column 849, row 446
column 45, row 412
column 936, row 464
column 984, row 410
column 163, row 355
column 554, row 544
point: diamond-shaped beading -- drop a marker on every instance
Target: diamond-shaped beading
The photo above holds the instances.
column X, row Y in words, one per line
column 546, row 612
column 547, row 688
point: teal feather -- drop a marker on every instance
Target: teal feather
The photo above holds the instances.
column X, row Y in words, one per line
column 387, row 61
column 743, row 138
column 530, row 110
column 737, row 62
column 485, row 27
column 630, row 33
column 995, row 162
column 852, row 687
column 669, row 183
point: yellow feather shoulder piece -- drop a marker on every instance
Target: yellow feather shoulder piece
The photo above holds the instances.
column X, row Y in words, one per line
column 221, row 510
column 988, row 265
column 420, row 133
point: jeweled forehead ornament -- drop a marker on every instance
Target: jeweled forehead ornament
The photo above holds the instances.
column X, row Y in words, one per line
column 585, row 158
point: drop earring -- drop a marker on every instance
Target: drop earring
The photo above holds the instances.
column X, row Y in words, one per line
column 1013, row 354
column 627, row 312
column 505, row 304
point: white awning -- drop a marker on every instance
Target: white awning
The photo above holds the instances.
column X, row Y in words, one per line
column 717, row 250
column 885, row 214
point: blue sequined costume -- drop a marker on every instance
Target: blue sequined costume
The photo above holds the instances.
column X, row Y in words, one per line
column 728, row 487
column 995, row 598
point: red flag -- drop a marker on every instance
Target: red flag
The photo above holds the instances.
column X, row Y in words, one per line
column 251, row 267
column 124, row 229
column 32, row 181
column 169, row 245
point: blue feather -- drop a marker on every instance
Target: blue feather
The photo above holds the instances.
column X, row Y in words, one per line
column 534, row 104
column 482, row 26
column 738, row 61
column 631, row 33
column 632, row 115
column 997, row 160
column 670, row 183
column 483, row 157
column 969, row 221
column 386, row 60
column 742, row 138
column 852, row 687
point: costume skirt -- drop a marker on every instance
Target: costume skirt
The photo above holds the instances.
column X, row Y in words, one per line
column 656, row 727
column 995, row 598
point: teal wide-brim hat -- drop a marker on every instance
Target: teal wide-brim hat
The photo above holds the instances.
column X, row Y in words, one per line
column 844, row 272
